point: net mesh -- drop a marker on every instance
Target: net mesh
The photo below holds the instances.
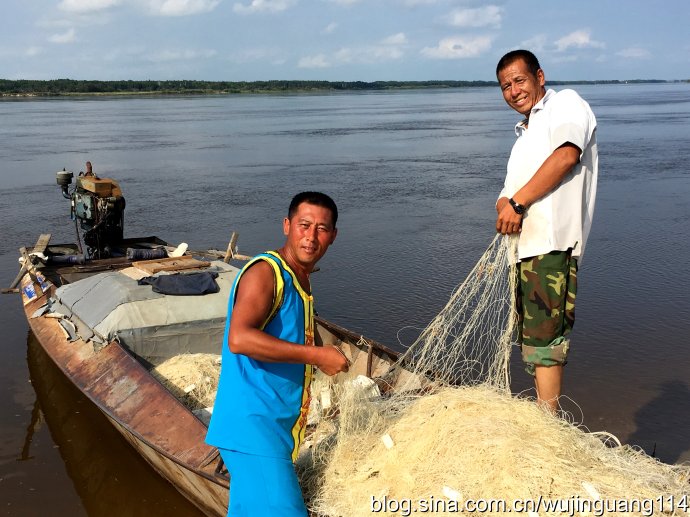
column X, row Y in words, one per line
column 468, row 343
column 452, row 432
column 191, row 378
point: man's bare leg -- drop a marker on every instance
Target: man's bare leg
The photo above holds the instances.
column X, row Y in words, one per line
column 547, row 380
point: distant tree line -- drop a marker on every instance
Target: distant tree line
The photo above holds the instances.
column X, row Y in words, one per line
column 71, row 86
column 76, row 87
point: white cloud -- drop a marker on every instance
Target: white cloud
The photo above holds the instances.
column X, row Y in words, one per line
column 535, row 44
column 86, row 6
column 273, row 55
column 345, row 2
column 182, row 7
column 388, row 49
column 75, row 20
column 563, row 58
column 368, row 54
column 458, row 47
column 14, row 53
column 129, row 53
column 155, row 7
column 578, row 39
column 413, row 3
column 263, row 6
column 328, row 29
column 488, row 16
column 180, row 55
column 64, row 37
column 317, row 61
column 345, row 55
column 395, row 39
column 634, row 53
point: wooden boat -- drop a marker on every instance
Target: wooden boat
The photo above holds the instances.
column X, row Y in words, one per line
column 115, row 374
column 107, row 332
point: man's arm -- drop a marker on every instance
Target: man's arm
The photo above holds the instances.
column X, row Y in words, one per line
column 545, row 180
column 253, row 302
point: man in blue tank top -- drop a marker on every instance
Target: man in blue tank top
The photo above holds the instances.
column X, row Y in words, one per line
column 261, row 407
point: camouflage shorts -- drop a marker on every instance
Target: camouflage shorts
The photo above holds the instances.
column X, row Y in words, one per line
column 546, row 307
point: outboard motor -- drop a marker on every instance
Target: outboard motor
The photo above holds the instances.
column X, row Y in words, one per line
column 97, row 207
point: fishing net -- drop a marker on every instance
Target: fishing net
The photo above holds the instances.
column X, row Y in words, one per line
column 191, row 378
column 450, row 435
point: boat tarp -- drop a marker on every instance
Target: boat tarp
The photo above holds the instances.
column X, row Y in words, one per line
column 154, row 326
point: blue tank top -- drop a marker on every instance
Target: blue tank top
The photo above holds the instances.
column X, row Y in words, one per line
column 261, row 408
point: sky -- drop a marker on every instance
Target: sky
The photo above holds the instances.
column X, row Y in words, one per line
column 340, row 40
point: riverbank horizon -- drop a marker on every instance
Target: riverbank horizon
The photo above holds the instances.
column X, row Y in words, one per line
column 73, row 87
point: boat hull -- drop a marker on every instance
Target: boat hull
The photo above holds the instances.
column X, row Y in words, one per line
column 207, row 495
column 166, row 434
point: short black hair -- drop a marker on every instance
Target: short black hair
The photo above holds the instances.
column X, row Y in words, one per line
column 314, row 198
column 529, row 58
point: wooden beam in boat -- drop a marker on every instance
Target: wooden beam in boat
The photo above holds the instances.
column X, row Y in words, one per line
column 41, row 243
column 169, row 264
column 40, row 247
column 231, row 248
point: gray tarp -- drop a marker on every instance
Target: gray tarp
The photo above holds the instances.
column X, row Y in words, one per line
column 94, row 298
column 152, row 325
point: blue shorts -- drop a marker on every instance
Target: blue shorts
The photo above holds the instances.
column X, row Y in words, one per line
column 262, row 486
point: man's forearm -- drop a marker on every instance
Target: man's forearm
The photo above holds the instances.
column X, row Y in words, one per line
column 549, row 175
column 261, row 346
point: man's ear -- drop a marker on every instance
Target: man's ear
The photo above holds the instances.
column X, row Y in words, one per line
column 286, row 226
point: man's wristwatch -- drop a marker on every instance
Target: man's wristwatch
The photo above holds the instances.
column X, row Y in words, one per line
column 519, row 209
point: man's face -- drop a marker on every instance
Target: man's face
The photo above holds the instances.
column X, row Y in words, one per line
column 309, row 233
column 521, row 88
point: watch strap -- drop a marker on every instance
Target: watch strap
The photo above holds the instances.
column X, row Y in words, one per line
column 519, row 209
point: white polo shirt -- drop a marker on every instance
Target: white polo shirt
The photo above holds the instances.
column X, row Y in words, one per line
column 561, row 219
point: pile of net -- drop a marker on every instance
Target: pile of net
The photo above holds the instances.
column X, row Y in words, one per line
column 453, row 440
column 191, row 378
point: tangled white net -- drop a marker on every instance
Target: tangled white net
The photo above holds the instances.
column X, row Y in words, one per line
column 192, row 378
column 468, row 343
column 452, row 432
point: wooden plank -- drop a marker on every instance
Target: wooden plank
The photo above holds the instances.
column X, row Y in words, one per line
column 41, row 243
column 169, row 264
column 231, row 248
column 134, row 273
column 30, row 269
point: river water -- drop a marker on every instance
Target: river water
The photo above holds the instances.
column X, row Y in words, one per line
column 415, row 175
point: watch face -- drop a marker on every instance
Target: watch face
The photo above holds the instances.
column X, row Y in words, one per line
column 519, row 209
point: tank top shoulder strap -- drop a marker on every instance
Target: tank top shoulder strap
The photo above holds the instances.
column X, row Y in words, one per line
column 279, row 286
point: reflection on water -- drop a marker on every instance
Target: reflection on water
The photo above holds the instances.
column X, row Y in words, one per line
column 88, row 444
column 415, row 175
column 34, row 424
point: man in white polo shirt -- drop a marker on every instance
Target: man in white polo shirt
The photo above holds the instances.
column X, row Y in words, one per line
column 548, row 199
